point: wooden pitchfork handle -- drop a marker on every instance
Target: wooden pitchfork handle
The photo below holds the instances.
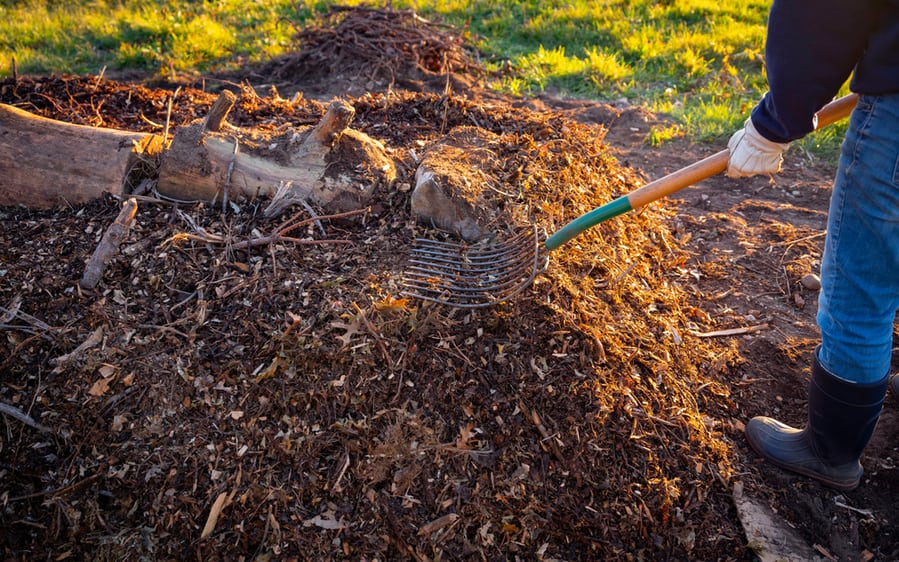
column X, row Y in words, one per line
column 675, row 181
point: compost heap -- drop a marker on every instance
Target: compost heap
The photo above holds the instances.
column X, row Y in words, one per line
column 334, row 415
column 287, row 399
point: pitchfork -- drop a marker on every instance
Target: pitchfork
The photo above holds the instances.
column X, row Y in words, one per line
column 491, row 272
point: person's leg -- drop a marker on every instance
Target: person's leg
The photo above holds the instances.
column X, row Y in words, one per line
column 857, row 307
column 860, row 268
column 841, row 419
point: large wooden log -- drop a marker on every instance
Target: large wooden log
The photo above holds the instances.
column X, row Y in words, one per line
column 44, row 162
column 329, row 165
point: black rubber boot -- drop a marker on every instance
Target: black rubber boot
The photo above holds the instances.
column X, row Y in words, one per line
column 894, row 386
column 841, row 420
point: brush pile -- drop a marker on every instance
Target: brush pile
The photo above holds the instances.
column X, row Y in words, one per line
column 375, row 46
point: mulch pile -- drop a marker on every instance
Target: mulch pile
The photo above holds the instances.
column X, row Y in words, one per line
column 288, row 401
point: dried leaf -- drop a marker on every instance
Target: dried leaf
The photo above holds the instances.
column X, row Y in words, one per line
column 466, row 433
column 325, row 523
column 118, row 422
column 269, row 371
column 100, row 387
column 214, row 512
column 350, row 330
column 437, row 524
column 391, row 304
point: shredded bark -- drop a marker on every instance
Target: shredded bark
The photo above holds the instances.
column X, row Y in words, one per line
column 300, row 380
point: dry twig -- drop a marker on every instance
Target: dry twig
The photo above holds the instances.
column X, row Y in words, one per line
column 731, row 331
column 18, row 414
column 277, row 236
column 533, row 417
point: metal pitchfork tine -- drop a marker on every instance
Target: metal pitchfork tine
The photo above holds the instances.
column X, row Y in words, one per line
column 475, row 275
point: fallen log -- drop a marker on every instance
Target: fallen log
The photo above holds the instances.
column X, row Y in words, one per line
column 44, row 162
column 329, row 165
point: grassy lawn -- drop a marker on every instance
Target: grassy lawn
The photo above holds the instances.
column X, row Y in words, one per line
column 701, row 61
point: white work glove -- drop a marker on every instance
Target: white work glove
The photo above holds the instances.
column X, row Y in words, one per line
column 751, row 153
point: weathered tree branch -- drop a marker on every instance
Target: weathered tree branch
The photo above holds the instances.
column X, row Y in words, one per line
column 329, row 165
column 109, row 245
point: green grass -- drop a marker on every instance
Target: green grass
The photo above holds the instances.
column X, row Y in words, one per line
column 157, row 36
column 700, row 61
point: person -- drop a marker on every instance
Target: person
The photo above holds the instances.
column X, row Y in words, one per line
column 812, row 48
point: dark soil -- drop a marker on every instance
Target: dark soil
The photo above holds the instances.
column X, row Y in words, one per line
column 293, row 391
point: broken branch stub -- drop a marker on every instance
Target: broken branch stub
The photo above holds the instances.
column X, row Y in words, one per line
column 218, row 113
column 335, row 121
column 329, row 165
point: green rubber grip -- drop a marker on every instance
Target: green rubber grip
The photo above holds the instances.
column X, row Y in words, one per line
column 613, row 209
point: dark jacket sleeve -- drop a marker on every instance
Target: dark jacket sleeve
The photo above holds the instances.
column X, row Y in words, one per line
column 811, row 49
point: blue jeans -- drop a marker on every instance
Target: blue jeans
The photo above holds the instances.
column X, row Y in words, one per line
column 860, row 267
